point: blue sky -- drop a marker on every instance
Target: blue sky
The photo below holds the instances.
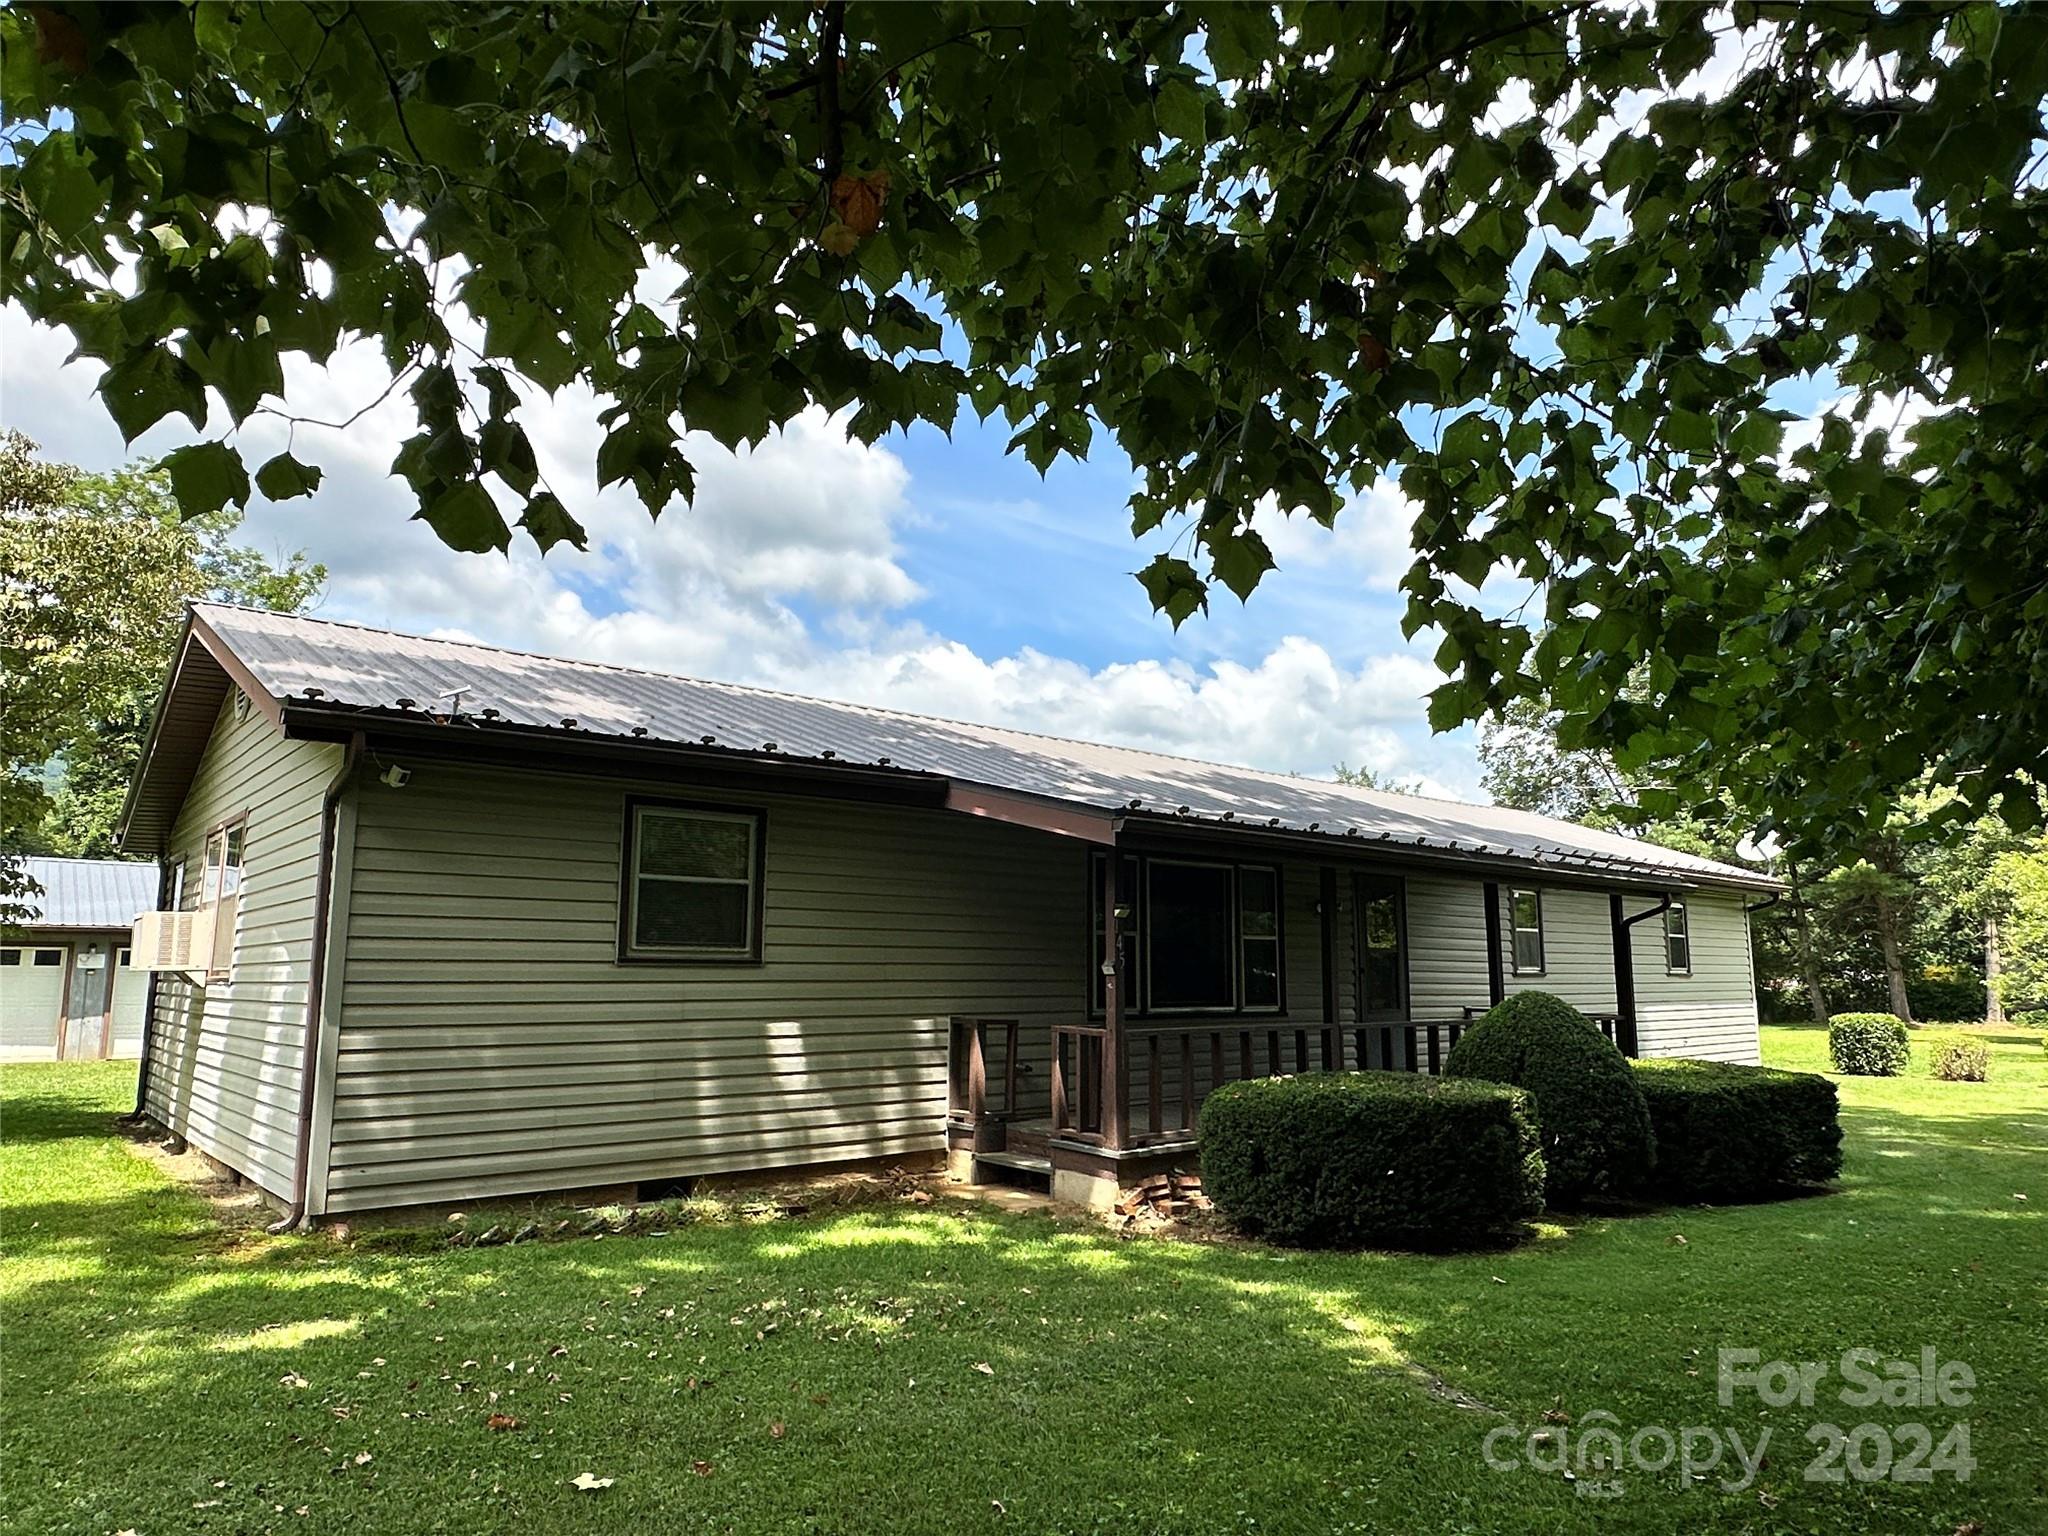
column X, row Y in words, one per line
column 923, row 572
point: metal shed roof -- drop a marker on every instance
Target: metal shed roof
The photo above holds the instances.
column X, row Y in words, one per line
column 304, row 662
column 89, row 893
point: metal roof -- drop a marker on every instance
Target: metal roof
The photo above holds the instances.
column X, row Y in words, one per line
column 339, row 666
column 89, row 893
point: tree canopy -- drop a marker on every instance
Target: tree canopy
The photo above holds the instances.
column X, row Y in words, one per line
column 1573, row 272
column 97, row 572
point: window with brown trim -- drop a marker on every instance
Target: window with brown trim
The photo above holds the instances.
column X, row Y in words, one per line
column 220, row 887
column 693, row 882
column 1677, row 940
column 1525, row 923
column 1197, row 935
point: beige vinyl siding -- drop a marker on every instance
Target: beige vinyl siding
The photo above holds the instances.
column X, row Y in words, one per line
column 491, row 1043
column 1711, row 1013
column 1446, row 946
column 1578, row 947
column 225, row 1058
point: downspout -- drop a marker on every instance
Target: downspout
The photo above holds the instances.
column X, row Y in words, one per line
column 140, row 1112
column 1622, row 928
column 323, row 903
column 1770, row 901
column 1496, row 972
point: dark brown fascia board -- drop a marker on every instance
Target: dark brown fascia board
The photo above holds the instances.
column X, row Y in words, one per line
column 174, row 673
column 585, row 753
column 1062, row 818
column 569, row 751
column 259, row 697
column 1148, row 829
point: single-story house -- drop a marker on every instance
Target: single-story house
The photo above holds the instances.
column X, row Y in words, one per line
column 442, row 921
column 67, row 990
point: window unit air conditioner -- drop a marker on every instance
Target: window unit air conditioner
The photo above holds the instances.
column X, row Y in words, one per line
column 192, row 942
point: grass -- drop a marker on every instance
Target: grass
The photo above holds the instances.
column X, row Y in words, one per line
column 827, row 1373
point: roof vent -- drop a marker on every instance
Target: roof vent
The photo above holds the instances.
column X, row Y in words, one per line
column 639, row 730
column 708, row 740
column 488, row 714
column 769, row 746
column 569, row 722
column 241, row 705
column 407, row 703
column 881, row 762
column 314, row 693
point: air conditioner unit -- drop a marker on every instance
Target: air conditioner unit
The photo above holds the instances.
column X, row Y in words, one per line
column 182, row 941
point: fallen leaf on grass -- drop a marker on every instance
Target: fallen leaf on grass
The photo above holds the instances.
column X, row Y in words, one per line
column 777, row 1430
column 1677, row 1240
column 364, row 1458
column 501, row 1421
column 292, row 1379
column 588, row 1482
column 702, row 1468
column 984, row 1367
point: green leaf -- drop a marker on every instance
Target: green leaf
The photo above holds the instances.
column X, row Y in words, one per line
column 140, row 390
column 1174, row 588
column 464, row 517
column 205, row 477
column 1239, row 559
column 284, row 477
column 549, row 522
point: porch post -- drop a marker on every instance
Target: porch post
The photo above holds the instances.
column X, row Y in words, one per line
column 1116, row 1106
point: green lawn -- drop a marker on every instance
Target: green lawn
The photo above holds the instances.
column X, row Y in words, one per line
column 827, row 1374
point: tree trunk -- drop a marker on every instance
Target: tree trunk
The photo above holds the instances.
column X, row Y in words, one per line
column 1994, row 1007
column 1894, row 962
column 1809, row 969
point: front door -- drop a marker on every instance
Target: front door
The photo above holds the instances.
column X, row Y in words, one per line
column 1382, row 949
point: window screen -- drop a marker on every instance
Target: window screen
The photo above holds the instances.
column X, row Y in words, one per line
column 1677, row 940
column 1258, row 926
column 1526, row 910
column 695, row 883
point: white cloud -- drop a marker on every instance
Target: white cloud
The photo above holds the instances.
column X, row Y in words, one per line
column 785, row 571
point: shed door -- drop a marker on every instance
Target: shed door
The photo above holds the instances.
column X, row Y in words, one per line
column 85, row 1008
column 31, row 995
column 131, row 996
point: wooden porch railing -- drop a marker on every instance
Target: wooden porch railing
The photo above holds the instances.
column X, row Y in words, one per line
column 967, row 1070
column 1171, row 1068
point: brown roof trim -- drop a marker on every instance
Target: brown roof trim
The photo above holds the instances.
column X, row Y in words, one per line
column 259, row 696
column 1055, row 816
column 579, row 752
column 187, row 706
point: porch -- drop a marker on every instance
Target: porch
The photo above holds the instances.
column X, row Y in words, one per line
column 1119, row 1104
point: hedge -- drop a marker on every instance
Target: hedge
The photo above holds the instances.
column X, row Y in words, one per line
column 1372, row 1160
column 1959, row 1059
column 1727, row 1132
column 1597, row 1141
column 1868, row 1044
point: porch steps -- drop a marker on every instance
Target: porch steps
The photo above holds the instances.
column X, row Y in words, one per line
column 1018, row 1162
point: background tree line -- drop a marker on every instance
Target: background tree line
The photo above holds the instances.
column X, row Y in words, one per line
column 1939, row 913
column 95, row 572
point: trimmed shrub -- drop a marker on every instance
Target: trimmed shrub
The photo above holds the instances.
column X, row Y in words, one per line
column 1868, row 1044
column 1597, row 1141
column 1728, row 1132
column 1959, row 1059
column 1372, row 1160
